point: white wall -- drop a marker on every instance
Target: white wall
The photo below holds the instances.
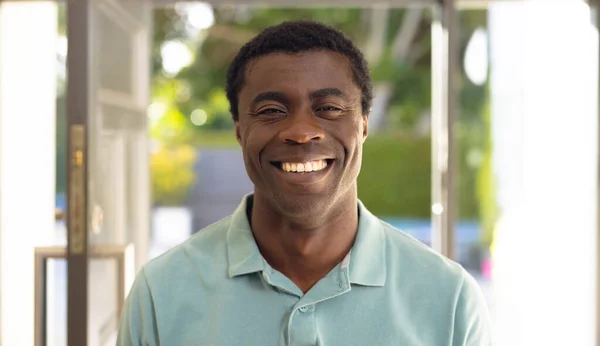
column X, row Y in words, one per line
column 27, row 156
column 545, row 119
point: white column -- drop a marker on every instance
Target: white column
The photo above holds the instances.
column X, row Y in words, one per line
column 545, row 128
column 28, row 33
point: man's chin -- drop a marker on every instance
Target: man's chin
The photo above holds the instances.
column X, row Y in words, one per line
column 304, row 204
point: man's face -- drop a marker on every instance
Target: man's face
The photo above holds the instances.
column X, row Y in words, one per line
column 301, row 128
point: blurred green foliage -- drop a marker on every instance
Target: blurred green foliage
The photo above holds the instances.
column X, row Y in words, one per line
column 395, row 179
column 486, row 184
column 172, row 175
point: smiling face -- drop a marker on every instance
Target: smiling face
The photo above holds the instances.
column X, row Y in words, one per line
column 301, row 128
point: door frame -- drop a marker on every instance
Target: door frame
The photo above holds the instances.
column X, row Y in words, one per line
column 78, row 107
column 84, row 93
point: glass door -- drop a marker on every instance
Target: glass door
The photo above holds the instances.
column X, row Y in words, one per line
column 108, row 184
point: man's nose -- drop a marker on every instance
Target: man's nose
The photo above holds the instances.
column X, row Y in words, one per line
column 301, row 129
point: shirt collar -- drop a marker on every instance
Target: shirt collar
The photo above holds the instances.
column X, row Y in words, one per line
column 242, row 252
column 367, row 258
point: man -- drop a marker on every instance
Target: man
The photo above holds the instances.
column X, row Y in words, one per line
column 302, row 261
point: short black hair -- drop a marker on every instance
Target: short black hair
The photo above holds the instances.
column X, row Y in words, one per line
column 296, row 37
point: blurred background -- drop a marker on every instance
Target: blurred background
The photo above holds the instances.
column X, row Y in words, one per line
column 163, row 161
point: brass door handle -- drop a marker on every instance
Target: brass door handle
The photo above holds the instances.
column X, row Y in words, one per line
column 97, row 218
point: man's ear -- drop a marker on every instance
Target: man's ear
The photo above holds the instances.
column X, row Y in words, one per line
column 237, row 132
column 365, row 119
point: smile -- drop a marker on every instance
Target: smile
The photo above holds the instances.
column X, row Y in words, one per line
column 303, row 167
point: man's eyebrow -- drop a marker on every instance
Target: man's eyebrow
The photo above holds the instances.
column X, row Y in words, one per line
column 327, row 92
column 270, row 96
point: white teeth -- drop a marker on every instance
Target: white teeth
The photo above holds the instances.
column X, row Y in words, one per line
column 311, row 166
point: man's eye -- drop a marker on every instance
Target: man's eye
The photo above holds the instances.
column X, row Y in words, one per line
column 328, row 109
column 271, row 111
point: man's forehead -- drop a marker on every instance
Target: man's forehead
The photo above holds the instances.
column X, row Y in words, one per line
column 311, row 70
column 303, row 62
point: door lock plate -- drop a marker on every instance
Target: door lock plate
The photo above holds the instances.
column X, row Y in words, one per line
column 77, row 196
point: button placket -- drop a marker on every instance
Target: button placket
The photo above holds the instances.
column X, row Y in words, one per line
column 301, row 326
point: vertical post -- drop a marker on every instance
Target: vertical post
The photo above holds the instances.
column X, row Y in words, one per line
column 443, row 180
column 78, row 104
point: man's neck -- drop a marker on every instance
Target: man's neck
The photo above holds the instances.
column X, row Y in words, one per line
column 305, row 252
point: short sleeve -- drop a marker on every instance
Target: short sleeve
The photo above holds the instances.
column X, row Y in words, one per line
column 472, row 321
column 137, row 326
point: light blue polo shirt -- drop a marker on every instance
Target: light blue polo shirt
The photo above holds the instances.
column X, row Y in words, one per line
column 216, row 289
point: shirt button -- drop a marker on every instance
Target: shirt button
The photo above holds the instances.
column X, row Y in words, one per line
column 303, row 308
column 341, row 285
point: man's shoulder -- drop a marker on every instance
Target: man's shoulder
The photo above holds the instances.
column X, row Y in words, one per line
column 410, row 257
column 205, row 249
column 437, row 285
